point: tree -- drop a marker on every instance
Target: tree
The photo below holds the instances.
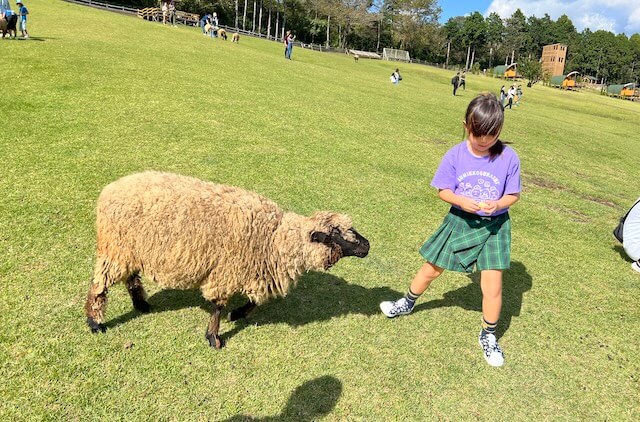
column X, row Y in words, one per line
column 530, row 69
column 474, row 34
column 495, row 35
column 516, row 33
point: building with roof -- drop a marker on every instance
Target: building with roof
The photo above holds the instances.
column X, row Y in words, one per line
column 623, row 91
column 506, row 71
column 568, row 81
column 553, row 59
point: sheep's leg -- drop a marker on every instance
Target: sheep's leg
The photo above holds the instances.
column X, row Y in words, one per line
column 95, row 307
column 137, row 293
column 242, row 311
column 214, row 325
column 104, row 276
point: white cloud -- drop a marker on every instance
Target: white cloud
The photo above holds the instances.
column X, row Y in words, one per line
column 611, row 15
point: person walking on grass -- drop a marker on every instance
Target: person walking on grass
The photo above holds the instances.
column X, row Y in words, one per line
column 480, row 178
column 22, row 14
column 455, row 81
column 510, row 95
column 288, row 44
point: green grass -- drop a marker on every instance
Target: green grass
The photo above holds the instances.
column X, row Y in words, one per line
column 95, row 95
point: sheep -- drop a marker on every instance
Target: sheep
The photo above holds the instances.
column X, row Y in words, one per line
column 235, row 37
column 222, row 34
column 182, row 233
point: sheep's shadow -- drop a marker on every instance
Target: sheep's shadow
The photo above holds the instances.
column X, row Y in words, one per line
column 317, row 297
column 622, row 252
column 516, row 281
column 311, row 401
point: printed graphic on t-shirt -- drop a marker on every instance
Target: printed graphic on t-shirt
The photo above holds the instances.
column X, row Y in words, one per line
column 479, row 185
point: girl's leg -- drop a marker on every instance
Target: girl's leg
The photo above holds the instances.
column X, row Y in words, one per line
column 423, row 278
column 491, row 285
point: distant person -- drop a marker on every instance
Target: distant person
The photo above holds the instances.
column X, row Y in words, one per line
column 398, row 75
column 289, row 44
column 214, row 19
column 518, row 96
column 204, row 21
column 22, row 18
column 455, row 81
column 510, row 95
column 172, row 13
column 463, row 82
column 631, row 235
column 165, row 12
column 480, row 178
column 503, row 95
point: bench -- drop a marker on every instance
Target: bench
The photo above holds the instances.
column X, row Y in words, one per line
column 365, row 54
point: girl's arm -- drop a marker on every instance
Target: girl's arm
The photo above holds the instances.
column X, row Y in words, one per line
column 466, row 203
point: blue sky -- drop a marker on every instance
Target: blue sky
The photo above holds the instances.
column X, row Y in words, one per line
column 616, row 16
column 451, row 8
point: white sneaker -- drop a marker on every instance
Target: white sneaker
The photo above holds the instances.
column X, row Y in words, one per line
column 393, row 309
column 635, row 266
column 491, row 349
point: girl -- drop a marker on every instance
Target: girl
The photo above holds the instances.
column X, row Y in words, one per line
column 480, row 178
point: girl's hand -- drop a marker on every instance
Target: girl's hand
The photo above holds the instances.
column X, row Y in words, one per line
column 468, row 204
column 488, row 207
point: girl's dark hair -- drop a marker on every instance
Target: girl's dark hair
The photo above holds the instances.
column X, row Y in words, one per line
column 485, row 116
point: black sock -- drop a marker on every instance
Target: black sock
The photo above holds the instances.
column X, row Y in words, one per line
column 411, row 297
column 488, row 327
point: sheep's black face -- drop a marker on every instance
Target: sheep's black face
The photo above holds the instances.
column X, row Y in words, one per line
column 349, row 243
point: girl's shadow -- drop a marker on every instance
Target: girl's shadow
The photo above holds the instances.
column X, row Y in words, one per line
column 309, row 402
column 317, row 297
column 516, row 281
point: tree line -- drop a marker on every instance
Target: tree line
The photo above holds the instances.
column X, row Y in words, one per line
column 472, row 42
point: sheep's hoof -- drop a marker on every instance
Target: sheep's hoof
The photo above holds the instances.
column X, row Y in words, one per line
column 216, row 342
column 95, row 327
column 142, row 306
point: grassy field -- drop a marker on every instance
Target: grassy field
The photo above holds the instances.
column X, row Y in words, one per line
column 94, row 95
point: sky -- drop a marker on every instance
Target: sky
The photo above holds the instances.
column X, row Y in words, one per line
column 617, row 16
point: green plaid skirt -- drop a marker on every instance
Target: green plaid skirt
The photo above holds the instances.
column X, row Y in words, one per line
column 464, row 240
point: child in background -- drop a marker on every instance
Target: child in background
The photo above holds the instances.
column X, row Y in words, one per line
column 480, row 178
column 22, row 17
column 397, row 75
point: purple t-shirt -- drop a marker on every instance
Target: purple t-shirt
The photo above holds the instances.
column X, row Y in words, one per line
column 479, row 178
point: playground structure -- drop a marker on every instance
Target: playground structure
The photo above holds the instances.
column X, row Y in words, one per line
column 507, row 72
column 393, row 54
column 568, row 81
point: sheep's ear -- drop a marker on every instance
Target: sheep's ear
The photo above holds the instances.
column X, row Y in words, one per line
column 320, row 237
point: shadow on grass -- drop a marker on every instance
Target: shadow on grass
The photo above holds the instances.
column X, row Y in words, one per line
column 623, row 254
column 516, row 281
column 27, row 39
column 317, row 297
column 309, row 402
